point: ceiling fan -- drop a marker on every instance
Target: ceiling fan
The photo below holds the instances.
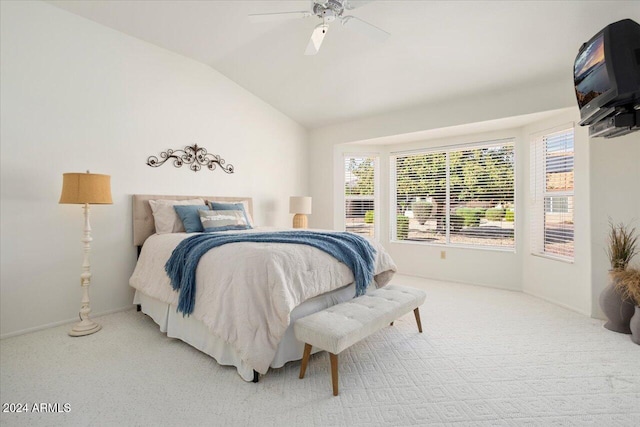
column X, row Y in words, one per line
column 328, row 11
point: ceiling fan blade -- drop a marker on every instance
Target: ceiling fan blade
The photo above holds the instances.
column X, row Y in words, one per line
column 364, row 27
column 316, row 39
column 354, row 4
column 267, row 17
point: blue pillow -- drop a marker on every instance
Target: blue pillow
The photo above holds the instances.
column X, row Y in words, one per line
column 190, row 218
column 221, row 206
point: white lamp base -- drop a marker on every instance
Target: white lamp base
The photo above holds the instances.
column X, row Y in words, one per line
column 86, row 327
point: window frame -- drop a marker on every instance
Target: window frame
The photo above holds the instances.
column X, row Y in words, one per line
column 539, row 194
column 376, row 188
column 447, row 149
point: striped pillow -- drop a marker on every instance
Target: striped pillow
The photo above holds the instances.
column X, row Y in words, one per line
column 224, row 206
column 223, row 220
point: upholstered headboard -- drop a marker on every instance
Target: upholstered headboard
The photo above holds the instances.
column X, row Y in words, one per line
column 143, row 225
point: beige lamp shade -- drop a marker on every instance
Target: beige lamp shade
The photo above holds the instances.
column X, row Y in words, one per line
column 300, row 205
column 81, row 188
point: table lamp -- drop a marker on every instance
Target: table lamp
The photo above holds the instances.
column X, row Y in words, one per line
column 301, row 207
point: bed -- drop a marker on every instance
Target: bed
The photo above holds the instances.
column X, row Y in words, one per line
column 243, row 289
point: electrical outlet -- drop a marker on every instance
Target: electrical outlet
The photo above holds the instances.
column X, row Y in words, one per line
column 443, row 254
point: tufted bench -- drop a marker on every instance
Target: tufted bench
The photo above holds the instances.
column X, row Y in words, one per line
column 343, row 325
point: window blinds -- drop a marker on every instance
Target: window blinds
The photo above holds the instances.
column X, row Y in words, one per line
column 421, row 197
column 460, row 196
column 552, row 191
column 359, row 192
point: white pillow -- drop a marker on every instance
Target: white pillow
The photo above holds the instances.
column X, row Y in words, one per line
column 165, row 216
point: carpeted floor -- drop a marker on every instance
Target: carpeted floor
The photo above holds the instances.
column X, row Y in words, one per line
column 486, row 357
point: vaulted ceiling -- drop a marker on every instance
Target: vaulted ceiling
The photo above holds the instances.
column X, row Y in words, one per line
column 438, row 50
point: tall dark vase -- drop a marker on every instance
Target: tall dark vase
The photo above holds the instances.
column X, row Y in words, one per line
column 635, row 326
column 617, row 310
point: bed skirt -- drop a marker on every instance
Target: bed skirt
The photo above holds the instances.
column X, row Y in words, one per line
column 195, row 333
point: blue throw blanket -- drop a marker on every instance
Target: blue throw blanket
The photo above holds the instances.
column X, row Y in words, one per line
column 353, row 250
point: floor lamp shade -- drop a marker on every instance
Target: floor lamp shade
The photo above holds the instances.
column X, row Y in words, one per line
column 81, row 188
column 85, row 189
column 301, row 207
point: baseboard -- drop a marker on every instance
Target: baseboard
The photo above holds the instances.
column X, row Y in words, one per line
column 549, row 300
column 483, row 285
column 558, row 303
column 61, row 322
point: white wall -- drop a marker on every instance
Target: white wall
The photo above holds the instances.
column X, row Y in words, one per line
column 565, row 283
column 615, row 195
column 75, row 96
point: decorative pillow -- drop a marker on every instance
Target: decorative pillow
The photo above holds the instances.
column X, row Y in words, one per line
column 190, row 218
column 165, row 216
column 230, row 206
column 223, row 220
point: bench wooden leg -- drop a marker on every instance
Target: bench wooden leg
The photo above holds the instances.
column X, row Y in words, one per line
column 305, row 359
column 417, row 314
column 334, row 372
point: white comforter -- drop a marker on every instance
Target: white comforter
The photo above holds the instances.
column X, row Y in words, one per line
column 245, row 292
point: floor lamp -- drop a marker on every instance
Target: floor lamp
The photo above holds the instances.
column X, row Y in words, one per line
column 85, row 189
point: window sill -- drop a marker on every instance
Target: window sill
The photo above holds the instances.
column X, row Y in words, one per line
column 454, row 246
column 566, row 260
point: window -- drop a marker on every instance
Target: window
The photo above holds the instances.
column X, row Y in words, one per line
column 552, row 173
column 456, row 196
column 360, row 194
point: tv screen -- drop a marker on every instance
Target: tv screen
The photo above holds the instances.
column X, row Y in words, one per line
column 590, row 72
